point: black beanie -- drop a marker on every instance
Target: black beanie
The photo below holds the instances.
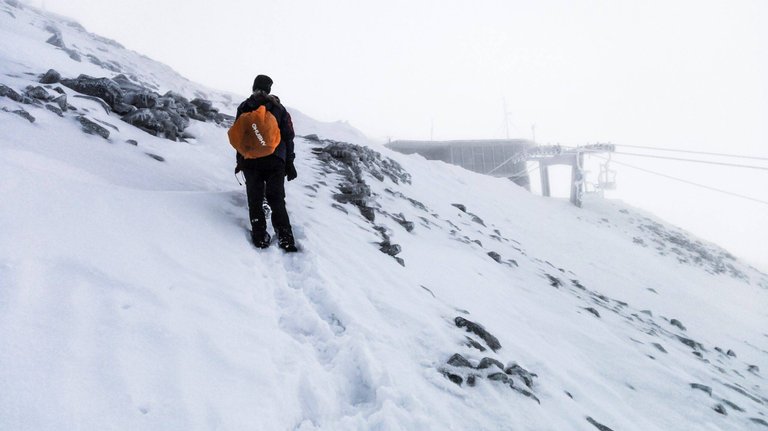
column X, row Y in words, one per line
column 262, row 82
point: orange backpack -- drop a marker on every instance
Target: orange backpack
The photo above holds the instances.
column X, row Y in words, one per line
column 255, row 134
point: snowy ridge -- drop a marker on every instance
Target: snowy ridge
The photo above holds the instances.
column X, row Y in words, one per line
column 131, row 298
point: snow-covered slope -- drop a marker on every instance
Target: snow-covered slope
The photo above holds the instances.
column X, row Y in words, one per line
column 131, row 298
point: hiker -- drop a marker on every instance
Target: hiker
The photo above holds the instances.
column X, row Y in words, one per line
column 265, row 161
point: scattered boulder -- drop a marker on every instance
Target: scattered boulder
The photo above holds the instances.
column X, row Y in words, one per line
column 459, row 361
column 703, row 388
column 103, row 104
column 156, row 122
column 677, row 323
column 495, row 256
column 37, row 92
column 62, row 102
column 720, row 409
column 461, row 207
column 156, row 157
column 50, row 77
column 659, row 347
column 554, row 281
column 754, row 369
column 92, row 128
column 480, row 331
column 103, row 88
column 690, row 343
column 598, row 425
column 525, row 375
column 132, row 142
column 488, row 362
column 22, row 113
column 55, row 109
column 472, row 343
column 10, row 93
column 593, row 311
column 388, row 248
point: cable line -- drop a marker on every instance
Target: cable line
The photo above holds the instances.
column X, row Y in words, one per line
column 708, row 162
column 688, row 182
column 694, row 152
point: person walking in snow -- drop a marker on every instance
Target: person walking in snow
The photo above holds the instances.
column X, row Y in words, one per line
column 266, row 161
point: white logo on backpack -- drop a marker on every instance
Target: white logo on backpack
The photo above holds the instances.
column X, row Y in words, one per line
column 258, row 135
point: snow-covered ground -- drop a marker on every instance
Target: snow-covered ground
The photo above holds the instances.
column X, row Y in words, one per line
column 131, row 297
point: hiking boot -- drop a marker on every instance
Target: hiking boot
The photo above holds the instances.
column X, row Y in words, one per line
column 285, row 240
column 261, row 240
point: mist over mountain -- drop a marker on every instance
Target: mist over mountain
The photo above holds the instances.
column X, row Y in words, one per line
column 424, row 296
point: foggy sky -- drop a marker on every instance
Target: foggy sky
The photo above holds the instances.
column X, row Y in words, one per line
column 687, row 74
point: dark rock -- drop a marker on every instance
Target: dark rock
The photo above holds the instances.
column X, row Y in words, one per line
column 578, row 284
column 754, row 369
column 554, row 281
column 488, row 362
column 312, row 137
column 37, row 92
column 127, row 85
column 391, row 249
column 156, row 122
column 54, row 109
column 677, row 323
column 703, row 388
column 98, row 100
column 495, row 256
column 132, row 142
column 454, row 378
column 92, row 128
column 156, row 157
column 59, row 90
column 459, row 361
column 720, row 409
column 340, row 208
column 11, row 94
column 598, row 425
column 733, row 406
column 461, row 207
column 499, row 377
column 471, row 379
column 23, row 114
column 50, row 77
column 731, row 353
column 593, row 311
column 203, row 106
column 759, row 421
column 690, row 343
column 56, row 40
column 477, row 220
column 659, row 347
column 478, row 330
column 111, row 126
column 517, row 370
column 472, row 343
column 523, row 392
column 103, row 88
column 399, row 260
column 62, row 102
column 569, row 394
column 124, row 108
column 407, row 225
column 141, row 99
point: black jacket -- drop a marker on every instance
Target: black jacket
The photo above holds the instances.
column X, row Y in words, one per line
column 284, row 150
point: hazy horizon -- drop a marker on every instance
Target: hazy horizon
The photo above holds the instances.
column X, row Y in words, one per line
column 681, row 74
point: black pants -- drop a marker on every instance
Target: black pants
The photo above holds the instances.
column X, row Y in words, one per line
column 266, row 178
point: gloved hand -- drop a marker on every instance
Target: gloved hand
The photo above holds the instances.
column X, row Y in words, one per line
column 290, row 171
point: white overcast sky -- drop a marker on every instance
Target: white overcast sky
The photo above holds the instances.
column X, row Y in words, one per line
column 687, row 74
